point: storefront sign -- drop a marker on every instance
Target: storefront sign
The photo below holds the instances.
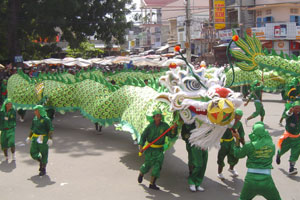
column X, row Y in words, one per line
column 259, row 32
column 281, row 31
column 298, row 33
column 219, row 9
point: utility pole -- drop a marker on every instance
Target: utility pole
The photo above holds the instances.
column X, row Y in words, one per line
column 188, row 31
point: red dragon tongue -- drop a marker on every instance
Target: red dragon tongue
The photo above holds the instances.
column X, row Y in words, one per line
column 223, row 92
column 193, row 109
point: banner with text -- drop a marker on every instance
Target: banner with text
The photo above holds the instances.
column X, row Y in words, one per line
column 219, row 13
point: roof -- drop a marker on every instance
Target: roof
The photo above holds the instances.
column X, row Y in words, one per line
column 296, row 5
column 158, row 3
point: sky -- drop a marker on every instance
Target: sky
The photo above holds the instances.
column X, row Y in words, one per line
column 137, row 2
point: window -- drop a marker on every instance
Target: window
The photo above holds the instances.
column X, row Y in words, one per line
column 268, row 12
column 258, row 22
column 294, row 11
column 268, row 19
column 294, row 18
column 259, row 13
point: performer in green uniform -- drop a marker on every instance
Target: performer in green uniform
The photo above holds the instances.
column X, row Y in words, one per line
column 3, row 90
column 197, row 160
column 227, row 145
column 256, row 94
column 7, row 127
column 259, row 151
column 292, row 94
column 40, row 137
column 154, row 156
column 290, row 140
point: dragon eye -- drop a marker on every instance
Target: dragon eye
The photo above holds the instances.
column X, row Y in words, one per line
column 192, row 85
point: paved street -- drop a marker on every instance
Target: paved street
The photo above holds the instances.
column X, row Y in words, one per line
column 87, row 165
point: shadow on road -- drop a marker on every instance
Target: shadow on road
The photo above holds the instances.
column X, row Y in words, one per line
column 77, row 138
column 292, row 177
column 7, row 167
column 41, row 181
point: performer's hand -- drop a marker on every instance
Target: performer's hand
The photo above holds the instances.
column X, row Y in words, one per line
column 245, row 104
column 50, row 142
column 175, row 125
column 140, row 147
column 28, row 140
column 236, row 135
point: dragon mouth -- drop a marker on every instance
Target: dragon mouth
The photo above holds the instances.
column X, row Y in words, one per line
column 197, row 110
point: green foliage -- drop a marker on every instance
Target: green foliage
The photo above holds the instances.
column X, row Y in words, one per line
column 73, row 20
column 85, row 50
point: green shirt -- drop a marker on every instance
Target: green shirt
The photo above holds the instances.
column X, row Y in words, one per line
column 293, row 124
column 152, row 132
column 256, row 94
column 8, row 119
column 257, row 158
column 41, row 126
column 239, row 127
column 186, row 131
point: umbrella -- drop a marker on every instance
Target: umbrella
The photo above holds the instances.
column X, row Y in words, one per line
column 121, row 60
column 145, row 62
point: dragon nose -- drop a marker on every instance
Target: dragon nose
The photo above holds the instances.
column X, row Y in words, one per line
column 223, row 92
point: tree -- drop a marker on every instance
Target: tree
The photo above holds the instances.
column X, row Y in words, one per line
column 75, row 20
column 85, row 50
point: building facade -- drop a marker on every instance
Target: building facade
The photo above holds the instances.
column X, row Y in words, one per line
column 278, row 25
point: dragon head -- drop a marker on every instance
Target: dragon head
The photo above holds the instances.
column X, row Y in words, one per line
column 201, row 100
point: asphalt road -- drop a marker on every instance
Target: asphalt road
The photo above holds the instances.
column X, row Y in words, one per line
column 86, row 165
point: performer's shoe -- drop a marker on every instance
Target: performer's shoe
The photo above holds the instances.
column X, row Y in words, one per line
column 153, row 186
column 193, row 188
column 293, row 171
column 201, row 189
column 278, row 159
column 13, row 157
column 221, row 176
column 100, row 128
column 42, row 172
column 140, row 178
column 233, row 172
column 21, row 119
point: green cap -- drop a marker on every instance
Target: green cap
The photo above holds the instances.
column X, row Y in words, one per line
column 239, row 112
column 156, row 112
column 41, row 110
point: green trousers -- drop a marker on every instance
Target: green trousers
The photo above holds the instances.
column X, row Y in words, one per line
column 39, row 151
column 259, row 184
column 292, row 144
column 8, row 138
column 259, row 109
column 227, row 150
column 154, row 158
column 198, row 161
